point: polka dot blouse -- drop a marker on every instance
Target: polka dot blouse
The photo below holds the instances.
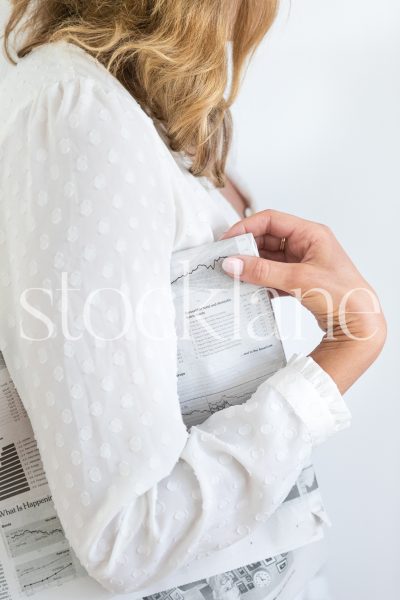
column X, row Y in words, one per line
column 92, row 199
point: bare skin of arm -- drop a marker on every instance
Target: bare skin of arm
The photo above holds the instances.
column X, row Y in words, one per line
column 235, row 197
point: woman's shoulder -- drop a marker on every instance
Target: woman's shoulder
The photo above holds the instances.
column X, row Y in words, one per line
column 60, row 65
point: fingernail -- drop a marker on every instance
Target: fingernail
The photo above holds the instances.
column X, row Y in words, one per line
column 233, row 266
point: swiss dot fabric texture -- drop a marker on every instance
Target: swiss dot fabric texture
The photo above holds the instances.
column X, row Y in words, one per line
column 91, row 193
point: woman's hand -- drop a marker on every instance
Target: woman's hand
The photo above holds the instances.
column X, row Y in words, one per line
column 314, row 268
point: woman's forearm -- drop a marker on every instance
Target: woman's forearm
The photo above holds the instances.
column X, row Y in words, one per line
column 346, row 360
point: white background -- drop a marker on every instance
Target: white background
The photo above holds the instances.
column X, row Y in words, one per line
column 318, row 135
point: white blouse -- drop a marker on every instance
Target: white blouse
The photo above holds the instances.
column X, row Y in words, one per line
column 91, row 198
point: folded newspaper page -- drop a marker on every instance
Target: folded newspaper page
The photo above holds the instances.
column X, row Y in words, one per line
column 35, row 557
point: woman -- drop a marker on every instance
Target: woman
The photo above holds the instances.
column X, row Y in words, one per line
column 113, row 150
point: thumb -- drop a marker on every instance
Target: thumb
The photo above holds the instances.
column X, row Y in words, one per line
column 263, row 272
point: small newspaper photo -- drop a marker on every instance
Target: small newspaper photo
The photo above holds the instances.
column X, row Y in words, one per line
column 228, row 343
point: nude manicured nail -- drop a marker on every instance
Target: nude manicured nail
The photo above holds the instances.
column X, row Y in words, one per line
column 233, row 266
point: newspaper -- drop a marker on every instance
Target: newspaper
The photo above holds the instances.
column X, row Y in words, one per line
column 34, row 552
column 278, row 578
column 228, row 341
column 35, row 557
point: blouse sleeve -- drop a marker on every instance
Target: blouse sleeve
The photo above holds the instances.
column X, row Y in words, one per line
column 90, row 230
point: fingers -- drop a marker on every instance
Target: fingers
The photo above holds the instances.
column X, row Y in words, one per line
column 268, row 221
column 267, row 273
column 278, row 256
column 268, row 242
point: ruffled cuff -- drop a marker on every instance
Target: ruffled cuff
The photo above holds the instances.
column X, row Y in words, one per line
column 313, row 395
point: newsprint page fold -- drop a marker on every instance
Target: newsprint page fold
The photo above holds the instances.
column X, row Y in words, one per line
column 228, row 343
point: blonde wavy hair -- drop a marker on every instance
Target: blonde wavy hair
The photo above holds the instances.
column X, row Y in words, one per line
column 171, row 55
